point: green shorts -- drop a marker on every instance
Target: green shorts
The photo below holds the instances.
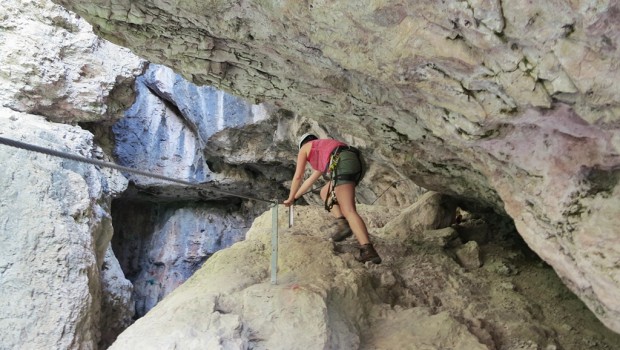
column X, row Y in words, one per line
column 348, row 164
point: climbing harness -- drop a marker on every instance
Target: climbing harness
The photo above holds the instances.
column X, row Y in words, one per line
column 330, row 199
column 332, row 170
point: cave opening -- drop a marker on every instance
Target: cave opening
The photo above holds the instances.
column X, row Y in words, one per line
column 161, row 241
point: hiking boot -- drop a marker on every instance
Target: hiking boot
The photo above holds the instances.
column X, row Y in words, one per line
column 343, row 231
column 368, row 253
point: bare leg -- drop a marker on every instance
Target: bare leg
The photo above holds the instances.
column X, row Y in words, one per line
column 346, row 200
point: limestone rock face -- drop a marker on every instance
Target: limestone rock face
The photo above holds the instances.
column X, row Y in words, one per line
column 61, row 286
column 53, row 65
column 164, row 231
column 418, row 298
column 168, row 128
column 118, row 305
column 512, row 104
column 56, row 228
column 160, row 245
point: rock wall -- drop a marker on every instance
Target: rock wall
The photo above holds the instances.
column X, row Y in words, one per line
column 53, row 65
column 511, row 104
column 160, row 245
column 59, row 69
column 61, row 286
column 56, row 228
column 164, row 232
column 117, row 305
column 169, row 126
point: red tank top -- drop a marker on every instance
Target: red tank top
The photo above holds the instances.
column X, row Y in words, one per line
column 320, row 152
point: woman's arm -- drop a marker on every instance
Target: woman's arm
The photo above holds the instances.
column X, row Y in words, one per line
column 300, row 168
column 308, row 183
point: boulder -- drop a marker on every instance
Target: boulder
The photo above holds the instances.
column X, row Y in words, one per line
column 468, row 255
column 432, row 211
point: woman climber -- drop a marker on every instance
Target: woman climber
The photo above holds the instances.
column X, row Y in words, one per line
column 344, row 165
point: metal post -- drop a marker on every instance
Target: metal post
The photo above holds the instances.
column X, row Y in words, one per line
column 274, row 243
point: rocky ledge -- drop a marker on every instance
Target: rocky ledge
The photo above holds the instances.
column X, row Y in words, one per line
column 431, row 291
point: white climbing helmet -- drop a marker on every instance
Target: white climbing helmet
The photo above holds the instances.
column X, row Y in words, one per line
column 304, row 137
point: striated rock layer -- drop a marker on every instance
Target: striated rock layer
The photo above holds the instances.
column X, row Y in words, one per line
column 163, row 231
column 513, row 104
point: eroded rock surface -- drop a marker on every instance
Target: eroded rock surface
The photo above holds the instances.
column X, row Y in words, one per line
column 172, row 123
column 160, row 245
column 61, row 286
column 56, row 228
column 52, row 64
column 118, row 304
column 419, row 297
column 514, row 104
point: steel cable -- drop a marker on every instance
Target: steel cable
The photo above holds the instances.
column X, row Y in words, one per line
column 51, row 152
